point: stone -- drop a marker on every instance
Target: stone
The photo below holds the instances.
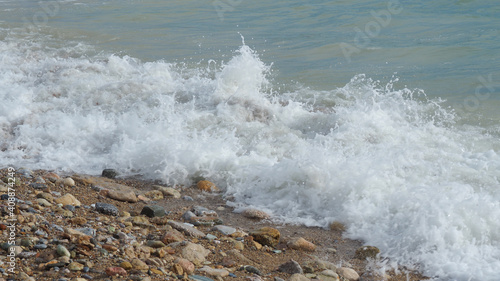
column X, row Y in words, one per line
column 215, row 272
column 155, row 244
column 107, row 209
column 109, row 173
column 168, row 191
column 266, row 236
column 226, row 230
column 238, row 245
column 208, row 186
column 186, row 265
column 139, row 264
column 255, row 214
column 153, row 211
column 291, row 267
column 199, row 278
column 78, row 221
column 348, row 273
column 68, row 182
column 126, row 265
column 366, row 252
column 62, row 251
column 186, row 229
column 45, row 195
column 68, row 199
column 154, row 194
column 251, row 269
column 123, row 196
column 195, row 253
column 115, row 271
column 53, row 177
column 75, row 266
column 301, row 244
column 172, row 236
column 328, row 275
column 298, row 277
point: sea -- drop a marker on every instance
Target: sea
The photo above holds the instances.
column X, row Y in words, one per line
column 381, row 115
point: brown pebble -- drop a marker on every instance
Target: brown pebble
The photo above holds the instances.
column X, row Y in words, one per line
column 115, row 270
column 207, row 186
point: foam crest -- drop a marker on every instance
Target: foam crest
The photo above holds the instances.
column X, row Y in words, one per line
column 389, row 163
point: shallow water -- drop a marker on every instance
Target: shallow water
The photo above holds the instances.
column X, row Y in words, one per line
column 398, row 140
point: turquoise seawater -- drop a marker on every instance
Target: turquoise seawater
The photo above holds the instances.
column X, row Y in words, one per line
column 383, row 115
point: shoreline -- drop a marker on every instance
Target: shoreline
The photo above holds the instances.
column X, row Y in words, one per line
column 42, row 226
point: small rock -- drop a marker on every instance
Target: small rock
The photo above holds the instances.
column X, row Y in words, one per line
column 255, row 214
column 126, row 265
column 266, row 236
column 168, row 191
column 214, row 272
column 75, row 266
column 107, row 209
column 199, row 278
column 226, row 230
column 207, row 186
column 153, row 211
column 154, row 194
column 291, row 267
column 186, row 265
column 109, row 173
column 172, row 236
column 186, row 229
column 251, row 269
column 301, row 244
column 123, row 196
column 68, row 199
column 139, row 265
column 45, row 195
column 348, row 273
column 195, row 253
column 68, row 182
column 62, row 251
column 328, row 275
column 115, row 270
column 373, row 276
column 155, row 244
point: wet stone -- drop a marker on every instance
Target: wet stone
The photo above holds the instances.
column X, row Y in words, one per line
column 109, row 173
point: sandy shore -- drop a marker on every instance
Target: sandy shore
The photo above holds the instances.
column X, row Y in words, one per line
column 36, row 220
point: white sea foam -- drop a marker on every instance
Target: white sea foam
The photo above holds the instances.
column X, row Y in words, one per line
column 387, row 162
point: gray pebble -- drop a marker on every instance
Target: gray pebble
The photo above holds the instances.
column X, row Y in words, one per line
column 107, row 209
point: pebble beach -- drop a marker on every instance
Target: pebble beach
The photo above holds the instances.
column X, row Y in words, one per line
column 80, row 227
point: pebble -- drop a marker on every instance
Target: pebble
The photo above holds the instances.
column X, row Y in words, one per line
column 226, row 230
column 301, row 244
column 115, row 270
column 348, row 273
column 107, row 209
column 123, row 196
column 62, row 251
column 186, row 229
column 366, row 252
column 153, row 211
column 266, row 236
column 195, row 253
column 255, row 214
column 219, row 273
column 109, row 173
column 291, row 267
column 208, row 186
column 67, row 199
